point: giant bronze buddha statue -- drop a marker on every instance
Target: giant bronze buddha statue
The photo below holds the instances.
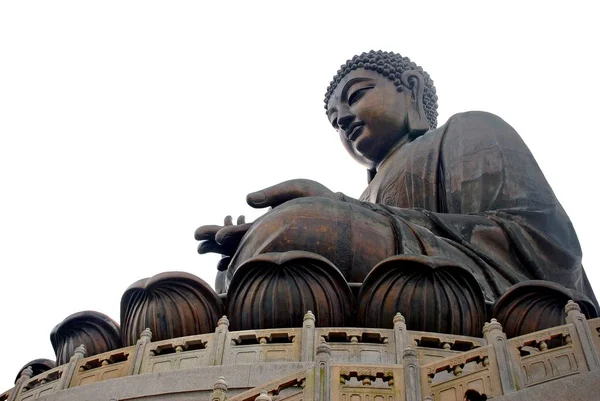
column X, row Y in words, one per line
column 457, row 224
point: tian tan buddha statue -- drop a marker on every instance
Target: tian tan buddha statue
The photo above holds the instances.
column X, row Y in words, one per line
column 457, row 224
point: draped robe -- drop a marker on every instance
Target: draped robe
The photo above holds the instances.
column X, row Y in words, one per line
column 469, row 191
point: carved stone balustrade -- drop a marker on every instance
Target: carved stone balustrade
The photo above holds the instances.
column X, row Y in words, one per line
column 43, row 384
column 321, row 363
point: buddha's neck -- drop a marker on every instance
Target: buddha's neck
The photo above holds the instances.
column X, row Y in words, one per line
column 400, row 144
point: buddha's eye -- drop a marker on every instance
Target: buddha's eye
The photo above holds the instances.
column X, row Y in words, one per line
column 334, row 123
column 357, row 95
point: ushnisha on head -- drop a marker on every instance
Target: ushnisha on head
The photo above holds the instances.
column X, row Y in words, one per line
column 378, row 100
column 392, row 66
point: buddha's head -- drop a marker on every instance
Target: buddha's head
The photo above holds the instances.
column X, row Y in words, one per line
column 377, row 101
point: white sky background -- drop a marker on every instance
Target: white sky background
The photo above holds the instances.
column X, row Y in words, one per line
column 126, row 125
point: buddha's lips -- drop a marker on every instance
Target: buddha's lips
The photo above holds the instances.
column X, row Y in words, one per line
column 354, row 130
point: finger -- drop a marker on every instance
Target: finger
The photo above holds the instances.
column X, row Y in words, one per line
column 241, row 219
column 231, row 235
column 212, row 247
column 228, row 221
column 206, row 232
column 283, row 192
column 223, row 264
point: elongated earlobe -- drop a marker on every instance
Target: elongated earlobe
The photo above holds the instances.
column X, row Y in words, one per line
column 417, row 119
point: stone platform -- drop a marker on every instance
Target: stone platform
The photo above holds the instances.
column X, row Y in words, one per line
column 349, row 364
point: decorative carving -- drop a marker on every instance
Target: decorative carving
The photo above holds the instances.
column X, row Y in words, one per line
column 398, row 318
column 146, row 334
column 536, row 305
column 173, row 304
column 276, row 290
column 220, row 384
column 324, row 349
column 309, row 319
column 449, row 298
column 96, row 331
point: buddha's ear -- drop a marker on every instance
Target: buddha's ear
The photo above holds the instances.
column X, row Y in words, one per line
column 417, row 120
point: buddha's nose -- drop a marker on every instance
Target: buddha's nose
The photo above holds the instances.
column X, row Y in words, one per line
column 344, row 120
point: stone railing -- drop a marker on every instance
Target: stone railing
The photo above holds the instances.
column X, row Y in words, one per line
column 108, row 365
column 340, row 363
column 434, row 346
column 43, row 384
column 451, row 377
column 546, row 355
column 354, row 345
column 178, row 353
column 594, row 325
column 367, row 382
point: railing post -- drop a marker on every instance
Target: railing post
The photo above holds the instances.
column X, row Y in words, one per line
column 323, row 373
column 412, row 374
column 582, row 330
column 23, row 378
column 400, row 336
column 494, row 336
column 140, row 350
column 221, row 334
column 65, row 380
column 263, row 397
column 219, row 390
column 308, row 337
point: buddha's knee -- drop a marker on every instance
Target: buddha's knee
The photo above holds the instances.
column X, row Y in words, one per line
column 353, row 238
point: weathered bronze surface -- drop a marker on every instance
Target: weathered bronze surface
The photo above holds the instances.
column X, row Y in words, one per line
column 273, row 290
column 96, row 331
column 417, row 285
column 171, row 305
column 536, row 305
column 469, row 191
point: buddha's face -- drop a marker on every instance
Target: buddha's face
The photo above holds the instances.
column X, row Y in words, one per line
column 370, row 115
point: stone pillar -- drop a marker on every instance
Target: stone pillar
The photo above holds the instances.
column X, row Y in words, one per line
column 67, row 375
column 19, row 385
column 263, row 397
column 582, row 330
column 219, row 390
column 494, row 336
column 308, row 337
column 140, row 350
column 412, row 374
column 400, row 336
column 221, row 335
column 323, row 373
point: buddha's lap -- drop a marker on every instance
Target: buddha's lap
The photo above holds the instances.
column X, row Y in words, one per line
column 355, row 239
column 352, row 237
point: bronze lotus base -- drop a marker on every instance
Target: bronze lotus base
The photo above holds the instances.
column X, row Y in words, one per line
column 275, row 290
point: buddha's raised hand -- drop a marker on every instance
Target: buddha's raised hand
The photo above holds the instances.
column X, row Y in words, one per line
column 225, row 239
column 225, row 244
column 280, row 193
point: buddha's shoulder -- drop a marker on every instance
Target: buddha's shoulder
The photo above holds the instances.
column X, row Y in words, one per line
column 478, row 126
